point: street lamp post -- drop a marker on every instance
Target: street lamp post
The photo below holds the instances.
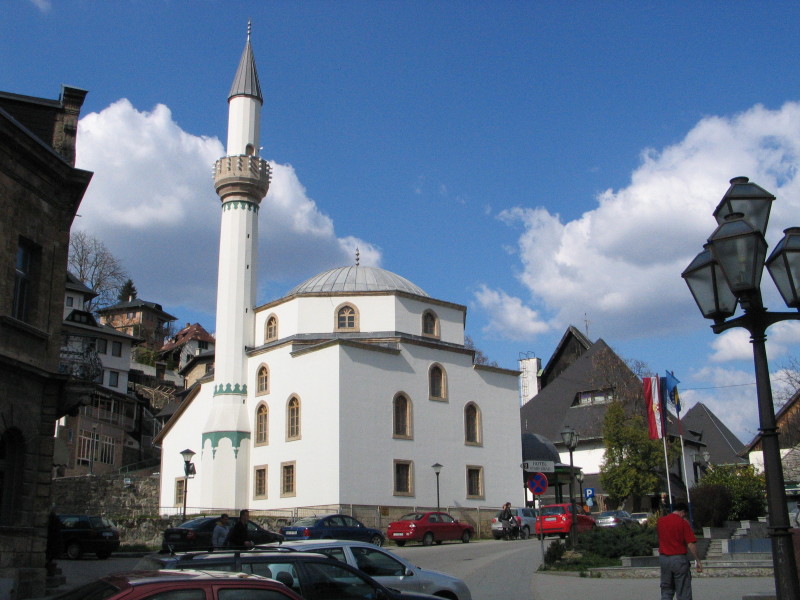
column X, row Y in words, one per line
column 437, row 468
column 728, row 271
column 570, row 438
column 579, row 477
column 188, row 470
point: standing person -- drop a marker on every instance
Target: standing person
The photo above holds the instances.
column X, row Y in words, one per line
column 240, row 534
column 675, row 538
column 220, row 532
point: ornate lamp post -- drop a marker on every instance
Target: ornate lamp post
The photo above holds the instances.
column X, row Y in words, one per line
column 570, row 438
column 188, row 470
column 728, row 271
column 437, row 468
column 579, row 477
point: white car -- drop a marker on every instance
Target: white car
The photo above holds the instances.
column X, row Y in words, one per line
column 526, row 518
column 386, row 568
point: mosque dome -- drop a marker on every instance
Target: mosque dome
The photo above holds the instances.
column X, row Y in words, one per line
column 357, row 278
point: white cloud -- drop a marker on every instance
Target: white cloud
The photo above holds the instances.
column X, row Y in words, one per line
column 152, row 202
column 735, row 344
column 622, row 260
column 509, row 317
column 43, row 5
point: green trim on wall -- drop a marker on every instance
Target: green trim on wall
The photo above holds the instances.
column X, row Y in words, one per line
column 227, row 388
column 236, row 438
column 237, row 204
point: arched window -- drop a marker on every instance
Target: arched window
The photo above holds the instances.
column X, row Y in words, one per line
column 437, row 383
column 430, row 324
column 262, row 383
column 293, row 419
column 271, row 329
column 262, row 425
column 346, row 318
column 402, row 417
column 472, row 424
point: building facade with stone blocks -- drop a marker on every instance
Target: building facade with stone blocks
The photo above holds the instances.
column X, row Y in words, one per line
column 40, row 191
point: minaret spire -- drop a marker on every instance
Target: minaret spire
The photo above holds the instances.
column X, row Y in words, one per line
column 242, row 180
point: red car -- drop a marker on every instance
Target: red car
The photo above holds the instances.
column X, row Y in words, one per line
column 556, row 519
column 428, row 527
column 187, row 585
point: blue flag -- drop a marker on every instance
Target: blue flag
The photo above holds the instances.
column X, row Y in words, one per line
column 671, row 391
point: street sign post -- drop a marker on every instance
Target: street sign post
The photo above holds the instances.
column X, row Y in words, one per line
column 539, row 466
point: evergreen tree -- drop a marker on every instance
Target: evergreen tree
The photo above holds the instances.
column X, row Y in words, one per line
column 746, row 488
column 632, row 460
column 127, row 291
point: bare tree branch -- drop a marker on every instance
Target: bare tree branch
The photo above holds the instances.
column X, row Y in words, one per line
column 92, row 262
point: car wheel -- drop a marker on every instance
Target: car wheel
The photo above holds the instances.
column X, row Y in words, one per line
column 74, row 550
column 525, row 533
column 465, row 537
column 103, row 555
column 400, row 543
column 427, row 539
column 376, row 540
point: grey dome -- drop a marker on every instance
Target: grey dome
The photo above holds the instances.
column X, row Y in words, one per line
column 356, row 279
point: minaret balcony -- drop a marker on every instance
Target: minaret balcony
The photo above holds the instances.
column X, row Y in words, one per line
column 244, row 177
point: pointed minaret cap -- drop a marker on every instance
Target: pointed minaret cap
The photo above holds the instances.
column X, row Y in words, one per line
column 246, row 81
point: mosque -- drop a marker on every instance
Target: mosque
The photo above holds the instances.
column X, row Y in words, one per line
column 347, row 390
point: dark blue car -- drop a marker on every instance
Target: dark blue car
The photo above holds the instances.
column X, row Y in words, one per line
column 332, row 527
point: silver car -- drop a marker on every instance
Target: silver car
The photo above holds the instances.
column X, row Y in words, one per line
column 386, row 568
column 614, row 518
column 526, row 517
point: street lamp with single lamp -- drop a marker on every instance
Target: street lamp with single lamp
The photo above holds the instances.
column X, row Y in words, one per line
column 737, row 251
column 437, row 468
column 188, row 470
column 579, row 477
column 570, row 438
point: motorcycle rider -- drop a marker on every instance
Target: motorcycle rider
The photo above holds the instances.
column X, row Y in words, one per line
column 510, row 526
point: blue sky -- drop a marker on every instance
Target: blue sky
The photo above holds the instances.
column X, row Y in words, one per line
column 544, row 164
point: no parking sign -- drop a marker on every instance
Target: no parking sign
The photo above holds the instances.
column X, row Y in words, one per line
column 537, row 484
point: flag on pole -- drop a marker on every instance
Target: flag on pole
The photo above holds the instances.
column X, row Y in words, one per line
column 655, row 412
column 669, row 393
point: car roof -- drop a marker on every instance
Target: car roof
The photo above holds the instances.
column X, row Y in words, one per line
column 135, row 578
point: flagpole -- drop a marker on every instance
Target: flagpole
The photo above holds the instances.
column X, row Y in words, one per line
column 686, row 481
column 666, row 466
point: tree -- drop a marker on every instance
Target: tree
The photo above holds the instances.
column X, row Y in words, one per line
column 127, row 292
column 746, row 488
column 92, row 262
column 632, row 460
column 480, row 358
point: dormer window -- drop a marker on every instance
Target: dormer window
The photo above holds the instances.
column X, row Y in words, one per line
column 346, row 318
column 430, row 324
column 591, row 397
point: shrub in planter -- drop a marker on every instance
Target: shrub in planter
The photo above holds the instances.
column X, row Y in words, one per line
column 711, row 505
column 623, row 540
column 555, row 551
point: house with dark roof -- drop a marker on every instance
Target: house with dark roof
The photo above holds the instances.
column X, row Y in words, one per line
column 577, row 384
column 188, row 343
column 139, row 318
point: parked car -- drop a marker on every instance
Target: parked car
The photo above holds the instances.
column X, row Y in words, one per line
column 429, row 527
column 313, row 576
column 87, row 533
column 556, row 519
column 526, row 519
column 387, row 568
column 195, row 534
column 640, row 517
column 332, row 527
column 179, row 584
column 614, row 518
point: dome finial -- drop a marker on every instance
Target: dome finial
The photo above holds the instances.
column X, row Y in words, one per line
column 358, row 254
column 249, row 27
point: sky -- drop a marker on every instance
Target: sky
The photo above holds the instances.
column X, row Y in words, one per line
column 545, row 164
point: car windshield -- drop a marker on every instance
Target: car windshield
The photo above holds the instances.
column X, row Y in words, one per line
column 552, row 510
column 193, row 523
column 98, row 522
column 411, row 517
column 306, row 522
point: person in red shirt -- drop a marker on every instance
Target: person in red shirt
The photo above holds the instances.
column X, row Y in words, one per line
column 675, row 540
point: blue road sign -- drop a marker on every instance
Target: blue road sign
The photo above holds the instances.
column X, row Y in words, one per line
column 589, row 493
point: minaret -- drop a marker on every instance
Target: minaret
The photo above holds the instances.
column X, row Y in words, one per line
column 241, row 179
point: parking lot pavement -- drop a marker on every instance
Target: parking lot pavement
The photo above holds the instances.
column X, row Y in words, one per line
column 573, row 587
